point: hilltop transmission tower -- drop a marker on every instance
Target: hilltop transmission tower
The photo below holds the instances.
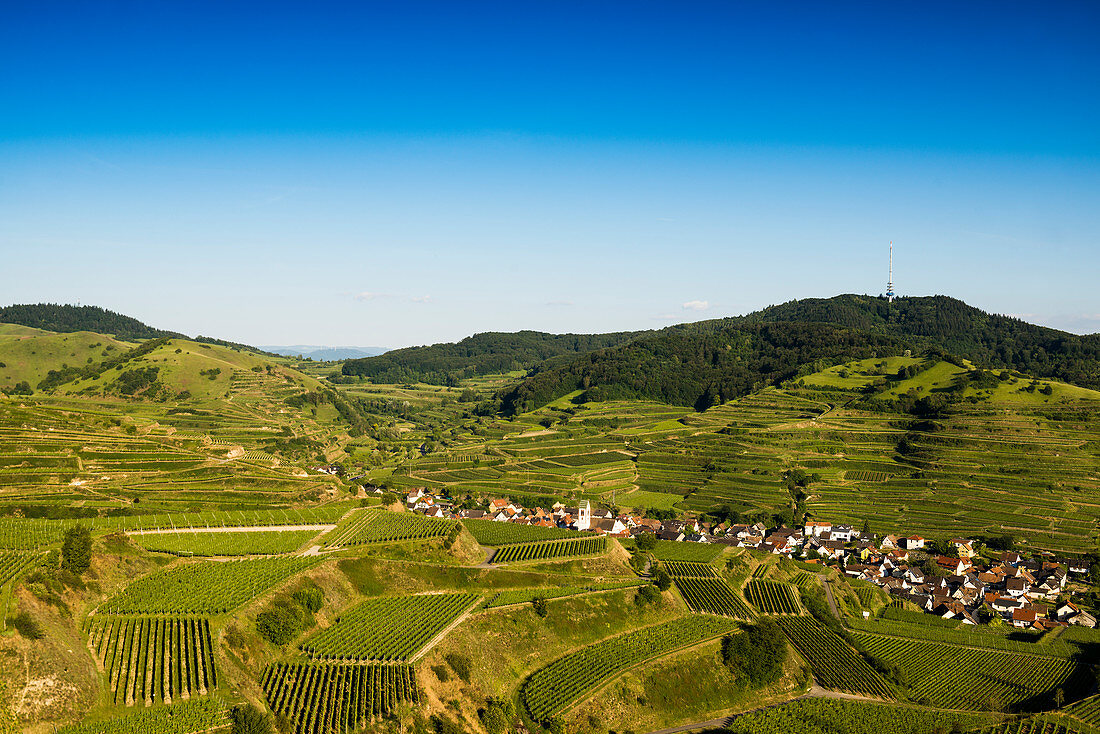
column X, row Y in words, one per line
column 890, row 283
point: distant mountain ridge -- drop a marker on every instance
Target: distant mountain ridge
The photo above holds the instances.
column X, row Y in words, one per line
column 326, row 354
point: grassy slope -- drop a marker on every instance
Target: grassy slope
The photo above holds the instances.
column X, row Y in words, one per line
column 181, row 363
column 28, row 354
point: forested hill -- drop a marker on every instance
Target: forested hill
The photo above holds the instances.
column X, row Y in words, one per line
column 709, row 361
column 987, row 339
column 700, row 366
column 67, row 319
column 480, row 354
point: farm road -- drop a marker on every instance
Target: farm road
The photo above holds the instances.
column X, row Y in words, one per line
column 444, row 632
column 829, row 594
column 244, row 529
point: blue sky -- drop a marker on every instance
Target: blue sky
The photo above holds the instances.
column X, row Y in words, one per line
column 403, row 173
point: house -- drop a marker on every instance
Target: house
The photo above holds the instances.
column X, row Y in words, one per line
column 1016, row 587
column 1024, row 618
column 1006, row 604
column 913, row 542
column 608, row 526
column 964, row 547
column 955, row 610
column 956, row 566
column 842, row 532
column 1079, row 566
column 890, row 542
column 1082, row 619
column 817, row 529
column 1066, row 610
column 833, row 549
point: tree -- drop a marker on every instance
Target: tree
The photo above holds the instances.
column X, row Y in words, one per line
column 647, row 594
column 758, row 653
column 282, row 621
column 76, row 551
column 645, row 542
column 540, row 606
column 662, row 579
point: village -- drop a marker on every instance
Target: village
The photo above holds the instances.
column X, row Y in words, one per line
column 962, row 582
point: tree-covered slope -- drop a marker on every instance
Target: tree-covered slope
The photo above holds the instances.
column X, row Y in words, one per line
column 66, row 319
column 987, row 339
column 699, row 364
column 480, row 354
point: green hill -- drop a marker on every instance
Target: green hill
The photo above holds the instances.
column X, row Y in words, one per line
column 28, row 354
column 65, row 319
column 480, row 354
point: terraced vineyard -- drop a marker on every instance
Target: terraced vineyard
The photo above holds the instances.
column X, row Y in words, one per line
column 689, row 569
column 187, row 717
column 520, row 596
column 154, row 659
column 387, row 628
column 772, row 597
column 380, row 526
column 225, row 544
column 551, row 550
column 835, row 665
column 489, row 532
column 967, row 678
column 207, row 587
column 1033, row 725
column 712, row 596
column 967, row 636
column 1087, row 710
column 550, row 689
column 33, row 533
column 332, row 697
column 821, row 715
column 668, row 550
column 12, row 563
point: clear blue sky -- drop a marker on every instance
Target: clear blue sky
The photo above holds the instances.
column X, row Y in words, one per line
column 402, row 173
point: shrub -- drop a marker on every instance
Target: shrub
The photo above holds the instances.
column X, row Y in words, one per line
column 247, row 719
column 460, row 664
column 309, row 598
column 27, row 626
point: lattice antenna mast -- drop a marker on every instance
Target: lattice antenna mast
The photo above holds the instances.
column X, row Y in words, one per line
column 890, row 282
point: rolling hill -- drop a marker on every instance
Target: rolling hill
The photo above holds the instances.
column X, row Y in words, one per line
column 708, row 362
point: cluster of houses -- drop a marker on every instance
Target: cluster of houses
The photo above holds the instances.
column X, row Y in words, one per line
column 1018, row 590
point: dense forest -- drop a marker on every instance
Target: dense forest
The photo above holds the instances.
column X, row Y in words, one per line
column 64, row 318
column 699, row 367
column 481, row 354
column 986, row 339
